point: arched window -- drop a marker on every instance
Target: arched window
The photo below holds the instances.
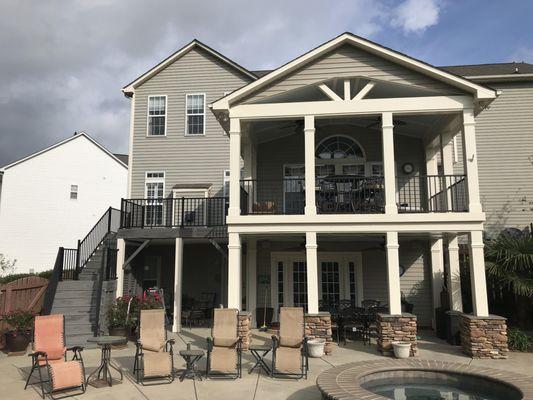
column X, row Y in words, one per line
column 339, row 147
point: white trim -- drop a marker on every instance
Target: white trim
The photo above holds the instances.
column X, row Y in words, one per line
column 130, row 144
column 77, row 135
column 154, row 180
column 204, row 114
column 328, row 92
column 364, row 91
column 185, row 190
column 479, row 91
column 148, row 115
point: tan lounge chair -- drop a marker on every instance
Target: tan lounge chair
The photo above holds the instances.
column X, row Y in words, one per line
column 50, row 352
column 289, row 352
column 224, row 351
column 154, row 356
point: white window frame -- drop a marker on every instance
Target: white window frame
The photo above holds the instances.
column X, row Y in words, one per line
column 154, row 180
column 225, row 179
column 187, row 115
column 148, row 115
column 74, row 191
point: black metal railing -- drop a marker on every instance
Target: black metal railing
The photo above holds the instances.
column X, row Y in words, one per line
column 350, row 194
column 281, row 196
column 56, row 276
column 110, row 272
column 173, row 212
column 432, row 193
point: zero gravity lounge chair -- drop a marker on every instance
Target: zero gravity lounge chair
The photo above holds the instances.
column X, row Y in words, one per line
column 50, row 352
column 224, row 351
column 154, row 356
column 289, row 355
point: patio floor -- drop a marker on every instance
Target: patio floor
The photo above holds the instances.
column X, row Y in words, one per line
column 13, row 371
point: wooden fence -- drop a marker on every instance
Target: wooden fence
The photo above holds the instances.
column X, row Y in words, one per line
column 23, row 294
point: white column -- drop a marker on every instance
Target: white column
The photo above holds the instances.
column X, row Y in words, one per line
column 234, row 271
column 234, row 167
column 178, row 279
column 437, row 273
column 121, row 257
column 470, row 160
column 393, row 273
column 312, row 272
column 389, row 170
column 251, row 286
column 447, row 163
column 309, row 134
column 454, row 274
column 477, row 275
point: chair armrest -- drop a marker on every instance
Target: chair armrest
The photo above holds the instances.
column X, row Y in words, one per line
column 75, row 348
column 275, row 341
column 209, row 344
column 38, row 354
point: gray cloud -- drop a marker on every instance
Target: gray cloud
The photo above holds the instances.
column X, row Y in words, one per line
column 63, row 62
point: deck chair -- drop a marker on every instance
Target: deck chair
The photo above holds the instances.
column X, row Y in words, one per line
column 50, row 352
column 154, row 359
column 224, row 347
column 289, row 350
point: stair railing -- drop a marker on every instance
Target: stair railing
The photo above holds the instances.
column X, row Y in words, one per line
column 56, row 276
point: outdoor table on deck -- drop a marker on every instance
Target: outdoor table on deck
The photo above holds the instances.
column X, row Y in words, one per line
column 103, row 372
column 260, row 358
column 191, row 358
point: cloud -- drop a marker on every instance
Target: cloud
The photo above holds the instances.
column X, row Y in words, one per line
column 415, row 15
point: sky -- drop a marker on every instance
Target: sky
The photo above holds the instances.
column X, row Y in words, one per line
column 63, row 63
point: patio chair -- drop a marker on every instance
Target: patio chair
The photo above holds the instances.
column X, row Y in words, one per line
column 50, row 352
column 154, row 355
column 354, row 322
column 370, row 303
column 224, row 347
column 289, row 350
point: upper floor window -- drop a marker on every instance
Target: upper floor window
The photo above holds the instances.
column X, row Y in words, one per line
column 157, row 115
column 339, row 147
column 195, row 114
column 155, row 185
column 74, row 192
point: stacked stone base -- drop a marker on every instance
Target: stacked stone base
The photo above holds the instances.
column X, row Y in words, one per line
column 245, row 329
column 484, row 337
column 396, row 328
column 318, row 326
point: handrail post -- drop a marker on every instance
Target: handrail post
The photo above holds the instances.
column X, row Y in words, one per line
column 182, row 211
column 109, row 220
column 142, row 215
column 61, row 261
column 77, row 270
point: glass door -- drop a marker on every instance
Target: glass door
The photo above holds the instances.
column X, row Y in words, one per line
column 330, row 281
column 299, row 284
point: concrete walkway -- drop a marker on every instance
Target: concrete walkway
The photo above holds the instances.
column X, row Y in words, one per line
column 13, row 371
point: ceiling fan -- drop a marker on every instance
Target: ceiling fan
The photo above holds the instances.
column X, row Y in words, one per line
column 377, row 121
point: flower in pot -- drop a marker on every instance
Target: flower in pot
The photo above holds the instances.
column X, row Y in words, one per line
column 117, row 316
column 18, row 334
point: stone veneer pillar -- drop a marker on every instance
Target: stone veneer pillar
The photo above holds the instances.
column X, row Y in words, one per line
column 484, row 337
column 396, row 328
column 245, row 328
column 318, row 326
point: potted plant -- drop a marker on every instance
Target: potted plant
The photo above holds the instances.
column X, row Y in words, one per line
column 18, row 335
column 117, row 316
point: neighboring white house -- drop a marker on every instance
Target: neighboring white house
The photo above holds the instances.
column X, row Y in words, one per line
column 53, row 197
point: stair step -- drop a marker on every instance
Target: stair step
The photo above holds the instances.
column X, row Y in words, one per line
column 75, row 285
column 72, row 294
column 73, row 310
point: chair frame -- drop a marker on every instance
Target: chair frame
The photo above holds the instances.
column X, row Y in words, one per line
column 36, row 355
column 138, row 365
column 304, row 361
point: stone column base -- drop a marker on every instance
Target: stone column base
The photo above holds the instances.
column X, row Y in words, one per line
column 396, row 328
column 318, row 326
column 245, row 328
column 484, row 337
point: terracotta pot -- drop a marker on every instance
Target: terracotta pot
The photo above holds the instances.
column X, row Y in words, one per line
column 17, row 343
column 117, row 331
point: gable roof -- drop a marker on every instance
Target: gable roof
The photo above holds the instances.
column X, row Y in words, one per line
column 74, row 137
column 130, row 87
column 497, row 71
column 480, row 92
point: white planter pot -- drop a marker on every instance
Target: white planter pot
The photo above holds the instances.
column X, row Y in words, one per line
column 401, row 349
column 315, row 347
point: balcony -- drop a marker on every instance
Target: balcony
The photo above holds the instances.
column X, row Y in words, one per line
column 171, row 212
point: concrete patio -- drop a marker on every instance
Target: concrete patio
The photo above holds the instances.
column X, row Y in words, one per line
column 13, row 371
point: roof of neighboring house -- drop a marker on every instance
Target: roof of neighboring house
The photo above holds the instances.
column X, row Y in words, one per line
column 122, row 157
column 76, row 135
column 192, row 186
column 510, row 68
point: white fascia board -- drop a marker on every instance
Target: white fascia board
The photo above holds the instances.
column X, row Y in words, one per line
column 480, row 92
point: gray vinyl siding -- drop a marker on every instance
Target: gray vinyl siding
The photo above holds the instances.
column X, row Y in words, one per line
column 184, row 159
column 504, row 135
column 348, row 61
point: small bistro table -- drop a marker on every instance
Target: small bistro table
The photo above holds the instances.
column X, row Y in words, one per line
column 103, row 372
column 191, row 358
column 259, row 352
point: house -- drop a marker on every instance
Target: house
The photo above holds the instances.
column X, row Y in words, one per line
column 43, row 194
column 350, row 173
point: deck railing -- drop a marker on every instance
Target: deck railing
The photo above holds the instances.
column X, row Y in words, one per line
column 173, row 212
column 269, row 196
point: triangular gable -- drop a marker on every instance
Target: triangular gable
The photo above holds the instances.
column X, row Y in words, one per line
column 348, row 39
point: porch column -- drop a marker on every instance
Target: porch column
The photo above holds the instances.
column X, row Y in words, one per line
column 389, row 170
column 251, row 285
column 234, row 167
column 234, row 271
column 312, row 272
column 437, row 273
column 309, row 135
column 121, row 257
column 470, row 160
column 454, row 274
column 477, row 275
column 178, row 279
column 393, row 273
column 447, row 164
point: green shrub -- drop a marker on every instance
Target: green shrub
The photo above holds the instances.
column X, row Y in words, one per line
column 519, row 340
column 14, row 277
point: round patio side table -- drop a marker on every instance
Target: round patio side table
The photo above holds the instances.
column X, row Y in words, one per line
column 103, row 372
